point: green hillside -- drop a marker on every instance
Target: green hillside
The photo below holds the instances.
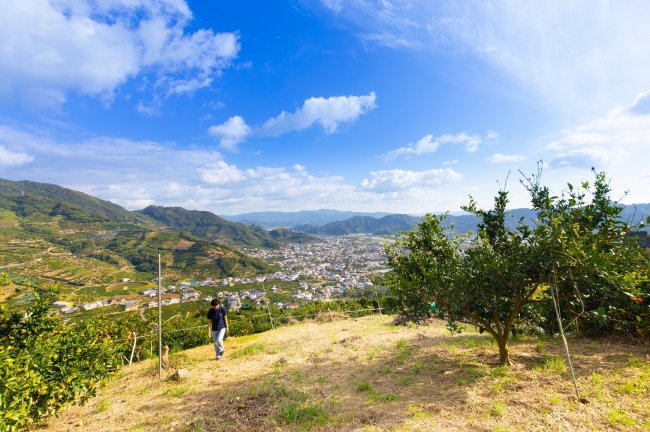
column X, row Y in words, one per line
column 27, row 198
column 210, row 226
column 386, row 225
column 182, row 254
column 50, row 235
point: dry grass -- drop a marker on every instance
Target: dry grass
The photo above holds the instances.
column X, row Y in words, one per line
column 366, row 375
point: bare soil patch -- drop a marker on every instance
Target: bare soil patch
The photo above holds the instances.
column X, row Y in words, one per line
column 183, row 244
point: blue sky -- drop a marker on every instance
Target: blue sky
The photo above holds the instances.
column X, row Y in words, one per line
column 401, row 106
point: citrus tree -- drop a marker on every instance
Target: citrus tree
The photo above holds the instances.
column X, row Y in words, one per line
column 45, row 366
column 577, row 246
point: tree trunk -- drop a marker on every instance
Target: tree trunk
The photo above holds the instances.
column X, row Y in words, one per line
column 504, row 357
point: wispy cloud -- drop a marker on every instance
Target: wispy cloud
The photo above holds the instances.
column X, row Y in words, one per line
column 500, row 158
column 588, row 157
column 429, row 144
column 328, row 113
column 549, row 48
column 617, row 142
column 395, row 180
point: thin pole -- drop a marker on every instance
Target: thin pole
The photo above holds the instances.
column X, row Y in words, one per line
column 268, row 306
column 566, row 345
column 159, row 321
column 378, row 304
column 135, row 341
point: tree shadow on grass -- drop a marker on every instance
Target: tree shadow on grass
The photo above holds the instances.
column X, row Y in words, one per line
column 343, row 390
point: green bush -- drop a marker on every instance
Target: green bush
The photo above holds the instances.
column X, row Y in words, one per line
column 45, row 366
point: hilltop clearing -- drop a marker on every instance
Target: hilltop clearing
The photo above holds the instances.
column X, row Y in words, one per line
column 367, row 375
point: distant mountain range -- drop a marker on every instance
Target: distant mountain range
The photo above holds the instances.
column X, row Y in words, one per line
column 392, row 224
column 29, row 199
column 275, row 219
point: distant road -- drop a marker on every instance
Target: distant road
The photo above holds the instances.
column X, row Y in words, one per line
column 13, row 265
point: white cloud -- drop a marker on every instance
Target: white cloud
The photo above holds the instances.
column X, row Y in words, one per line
column 581, row 57
column 230, row 133
column 491, row 135
column 394, row 180
column 51, row 47
column 222, row 173
column 641, row 104
column 9, row 158
column 139, row 173
column 424, row 145
column 328, row 113
column 500, row 158
column 588, row 157
column 429, row 144
column 451, row 162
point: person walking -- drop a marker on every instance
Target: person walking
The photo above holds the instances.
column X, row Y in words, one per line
column 217, row 326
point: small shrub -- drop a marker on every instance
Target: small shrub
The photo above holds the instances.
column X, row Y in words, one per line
column 497, row 409
column 620, row 417
column 497, row 387
column 103, row 406
column 250, row 350
column 364, row 386
column 552, row 365
column 403, row 350
column 631, row 387
column 382, row 397
column 303, row 413
column 177, row 390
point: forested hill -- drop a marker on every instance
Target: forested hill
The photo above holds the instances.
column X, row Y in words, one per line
column 42, row 202
column 210, row 226
column 388, row 225
column 27, row 198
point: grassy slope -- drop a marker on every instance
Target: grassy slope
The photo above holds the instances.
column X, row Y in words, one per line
column 51, row 199
column 367, row 375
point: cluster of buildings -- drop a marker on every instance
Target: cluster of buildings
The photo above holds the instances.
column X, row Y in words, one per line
column 65, row 307
column 348, row 262
column 339, row 263
column 234, row 300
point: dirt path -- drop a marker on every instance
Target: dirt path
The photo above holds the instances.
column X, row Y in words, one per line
column 8, row 266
